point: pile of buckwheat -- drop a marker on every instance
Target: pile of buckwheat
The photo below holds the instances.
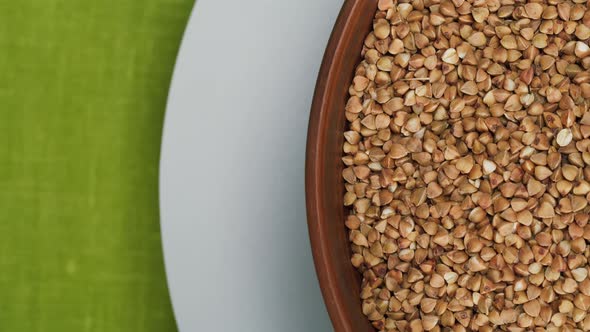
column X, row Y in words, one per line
column 467, row 166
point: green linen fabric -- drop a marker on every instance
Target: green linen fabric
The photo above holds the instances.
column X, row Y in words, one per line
column 83, row 91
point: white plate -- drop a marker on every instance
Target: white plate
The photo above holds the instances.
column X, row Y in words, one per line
column 232, row 169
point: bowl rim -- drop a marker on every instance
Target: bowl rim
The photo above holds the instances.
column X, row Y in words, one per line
column 345, row 29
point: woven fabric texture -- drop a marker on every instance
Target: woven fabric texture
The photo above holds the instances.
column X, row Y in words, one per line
column 83, row 92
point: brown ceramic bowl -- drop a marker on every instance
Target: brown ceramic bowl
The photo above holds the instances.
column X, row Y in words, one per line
column 339, row 281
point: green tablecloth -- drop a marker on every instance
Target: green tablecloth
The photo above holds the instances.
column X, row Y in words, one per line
column 82, row 94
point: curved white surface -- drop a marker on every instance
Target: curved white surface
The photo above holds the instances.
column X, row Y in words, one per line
column 232, row 170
